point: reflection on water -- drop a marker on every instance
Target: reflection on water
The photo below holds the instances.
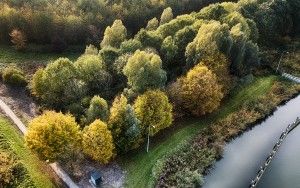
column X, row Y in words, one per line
column 243, row 156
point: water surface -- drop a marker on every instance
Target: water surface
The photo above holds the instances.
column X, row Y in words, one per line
column 243, row 156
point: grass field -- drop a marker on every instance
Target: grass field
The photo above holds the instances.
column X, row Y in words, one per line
column 9, row 55
column 35, row 168
column 139, row 165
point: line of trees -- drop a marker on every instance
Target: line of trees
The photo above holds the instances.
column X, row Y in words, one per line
column 69, row 22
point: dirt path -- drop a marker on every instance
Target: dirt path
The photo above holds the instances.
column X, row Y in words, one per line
column 56, row 168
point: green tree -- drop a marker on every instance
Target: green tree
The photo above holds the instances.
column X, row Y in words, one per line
column 153, row 110
column 124, row 125
column 211, row 38
column 130, row 46
column 144, row 71
column 152, row 24
column 53, row 135
column 114, row 35
column 198, row 92
column 57, row 85
column 92, row 71
column 97, row 142
column 98, row 109
column 166, row 16
column 168, row 49
column 91, row 50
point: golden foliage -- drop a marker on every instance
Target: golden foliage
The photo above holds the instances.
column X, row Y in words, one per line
column 53, row 135
column 97, row 142
column 153, row 109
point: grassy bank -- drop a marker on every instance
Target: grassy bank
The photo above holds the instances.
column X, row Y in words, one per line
column 36, row 171
column 9, row 55
column 139, row 165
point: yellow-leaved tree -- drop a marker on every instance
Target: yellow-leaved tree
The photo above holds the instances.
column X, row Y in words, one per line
column 154, row 111
column 97, row 142
column 53, row 135
column 199, row 92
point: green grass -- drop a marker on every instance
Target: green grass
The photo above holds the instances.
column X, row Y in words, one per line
column 9, row 55
column 36, row 169
column 139, row 165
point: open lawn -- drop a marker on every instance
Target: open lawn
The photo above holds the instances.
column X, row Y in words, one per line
column 139, row 164
column 37, row 170
column 9, row 55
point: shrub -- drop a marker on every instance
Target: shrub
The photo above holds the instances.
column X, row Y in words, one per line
column 7, row 165
column 18, row 38
column 13, row 76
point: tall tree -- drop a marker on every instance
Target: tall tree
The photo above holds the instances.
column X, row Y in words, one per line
column 166, row 16
column 154, row 111
column 124, row 125
column 198, row 92
column 144, row 71
column 114, row 35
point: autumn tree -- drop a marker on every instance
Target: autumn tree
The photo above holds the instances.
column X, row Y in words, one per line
column 114, row 35
column 198, row 92
column 144, row 71
column 92, row 70
column 220, row 66
column 152, row 24
column 53, row 135
column 166, row 16
column 124, row 125
column 154, row 111
column 57, row 85
column 98, row 109
column 18, row 38
column 97, row 142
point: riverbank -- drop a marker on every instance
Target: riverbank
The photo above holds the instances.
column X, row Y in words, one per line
column 191, row 161
column 143, row 169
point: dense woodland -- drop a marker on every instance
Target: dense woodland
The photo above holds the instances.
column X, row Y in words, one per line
column 80, row 22
column 133, row 82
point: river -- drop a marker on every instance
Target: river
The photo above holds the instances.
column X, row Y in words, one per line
column 243, row 156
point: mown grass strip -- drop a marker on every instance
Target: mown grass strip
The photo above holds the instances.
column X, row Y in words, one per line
column 35, row 168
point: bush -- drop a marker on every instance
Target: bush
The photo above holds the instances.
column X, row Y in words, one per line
column 18, row 38
column 13, row 76
column 7, row 165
